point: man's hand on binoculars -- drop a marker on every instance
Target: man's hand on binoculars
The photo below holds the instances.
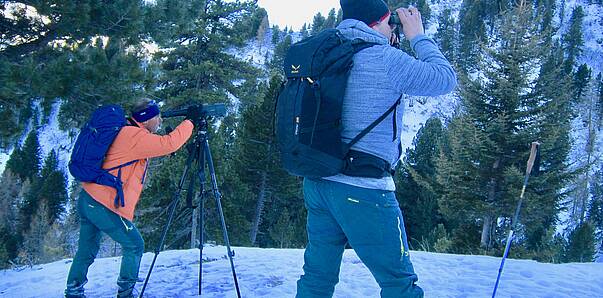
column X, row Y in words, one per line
column 412, row 25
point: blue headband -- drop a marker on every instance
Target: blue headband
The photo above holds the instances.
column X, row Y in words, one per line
column 151, row 111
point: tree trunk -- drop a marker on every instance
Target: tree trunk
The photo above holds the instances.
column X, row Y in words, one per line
column 257, row 219
column 485, row 240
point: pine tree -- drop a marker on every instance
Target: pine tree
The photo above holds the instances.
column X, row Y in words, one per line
column 35, row 66
column 499, row 121
column 279, row 54
column 9, row 194
column 25, row 162
column 32, row 248
column 573, row 40
column 276, row 35
column 258, row 165
column 257, row 25
column 318, row 24
column 599, row 83
column 581, row 245
column 199, row 69
column 282, row 231
column 446, row 35
column 423, row 7
column 581, row 80
column 304, row 31
column 595, row 209
column 417, row 188
column 546, row 12
column 472, row 32
column 53, row 190
column 394, row 4
column 331, row 20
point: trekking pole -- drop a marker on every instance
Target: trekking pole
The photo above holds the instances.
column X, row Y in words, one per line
column 533, row 153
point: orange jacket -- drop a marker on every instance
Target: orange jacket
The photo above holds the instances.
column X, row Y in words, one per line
column 135, row 143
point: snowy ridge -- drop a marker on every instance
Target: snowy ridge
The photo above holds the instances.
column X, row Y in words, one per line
column 274, row 272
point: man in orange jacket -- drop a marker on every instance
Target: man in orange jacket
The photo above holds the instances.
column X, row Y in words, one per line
column 96, row 203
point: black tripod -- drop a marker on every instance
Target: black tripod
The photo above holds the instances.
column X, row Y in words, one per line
column 200, row 154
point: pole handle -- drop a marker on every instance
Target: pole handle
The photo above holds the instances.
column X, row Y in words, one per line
column 533, row 152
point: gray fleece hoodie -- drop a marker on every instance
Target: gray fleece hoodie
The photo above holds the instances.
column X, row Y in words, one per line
column 379, row 76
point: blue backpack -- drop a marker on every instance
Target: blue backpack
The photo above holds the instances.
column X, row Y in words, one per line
column 91, row 146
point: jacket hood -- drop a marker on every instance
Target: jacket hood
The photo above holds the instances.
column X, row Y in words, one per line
column 354, row 29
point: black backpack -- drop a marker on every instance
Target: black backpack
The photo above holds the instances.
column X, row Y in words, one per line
column 309, row 106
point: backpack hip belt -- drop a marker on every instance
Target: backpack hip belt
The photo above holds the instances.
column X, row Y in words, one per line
column 362, row 164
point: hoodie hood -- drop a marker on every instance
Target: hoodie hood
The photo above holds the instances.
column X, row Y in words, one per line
column 354, row 29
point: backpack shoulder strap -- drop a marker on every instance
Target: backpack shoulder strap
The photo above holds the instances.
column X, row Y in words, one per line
column 359, row 45
column 373, row 125
column 131, row 122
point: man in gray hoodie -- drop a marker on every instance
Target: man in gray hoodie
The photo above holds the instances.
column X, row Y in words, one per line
column 364, row 211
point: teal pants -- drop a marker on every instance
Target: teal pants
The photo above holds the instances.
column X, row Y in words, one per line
column 371, row 222
column 94, row 219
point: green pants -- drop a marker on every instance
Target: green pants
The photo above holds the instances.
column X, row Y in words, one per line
column 371, row 222
column 94, row 219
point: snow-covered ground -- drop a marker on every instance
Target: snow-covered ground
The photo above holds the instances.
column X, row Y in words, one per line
column 273, row 273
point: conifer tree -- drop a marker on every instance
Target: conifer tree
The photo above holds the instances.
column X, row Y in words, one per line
column 472, row 32
column 258, row 165
column 318, row 24
column 546, row 12
column 198, row 70
column 417, row 189
column 276, row 35
column 446, row 35
column 304, row 31
column 573, row 39
column 9, row 195
column 599, row 99
column 53, row 189
column 581, row 244
column 580, row 82
column 25, row 162
column 35, row 65
column 282, row 231
column 280, row 51
column 331, row 20
column 500, row 119
column 32, row 248
column 595, row 209
column 423, row 7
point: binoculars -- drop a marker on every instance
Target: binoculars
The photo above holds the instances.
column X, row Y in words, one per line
column 394, row 19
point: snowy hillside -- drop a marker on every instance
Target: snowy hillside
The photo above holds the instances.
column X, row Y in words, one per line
column 273, row 273
column 51, row 138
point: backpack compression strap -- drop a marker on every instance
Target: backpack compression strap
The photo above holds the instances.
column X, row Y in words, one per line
column 373, row 125
column 119, row 197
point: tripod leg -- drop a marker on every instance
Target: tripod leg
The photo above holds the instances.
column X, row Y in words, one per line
column 201, row 239
column 201, row 176
column 172, row 210
column 218, row 197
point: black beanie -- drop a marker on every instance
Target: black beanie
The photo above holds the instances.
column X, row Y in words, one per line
column 368, row 11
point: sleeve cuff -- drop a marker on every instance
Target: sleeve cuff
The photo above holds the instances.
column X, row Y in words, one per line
column 419, row 38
